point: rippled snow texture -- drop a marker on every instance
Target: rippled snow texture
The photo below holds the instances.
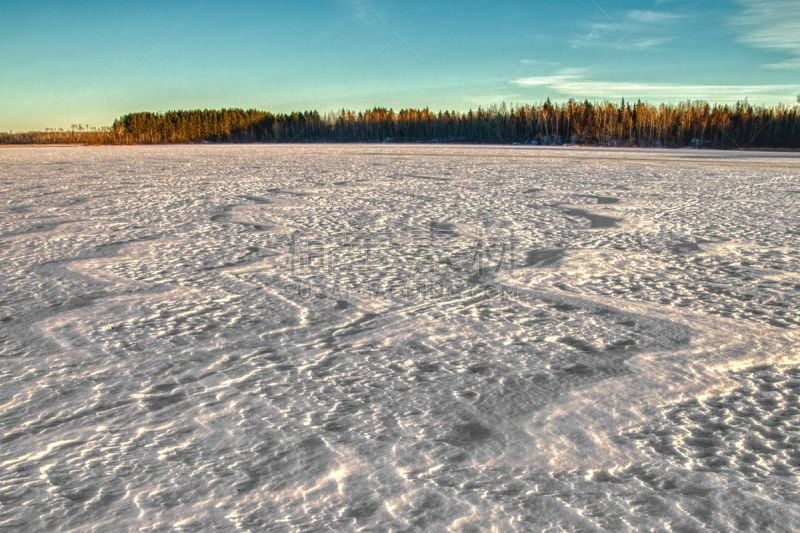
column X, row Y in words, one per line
column 406, row 337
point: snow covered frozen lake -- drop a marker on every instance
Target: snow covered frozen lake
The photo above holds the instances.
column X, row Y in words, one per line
column 407, row 337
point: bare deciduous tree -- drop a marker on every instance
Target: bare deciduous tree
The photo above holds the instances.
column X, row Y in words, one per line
column 699, row 124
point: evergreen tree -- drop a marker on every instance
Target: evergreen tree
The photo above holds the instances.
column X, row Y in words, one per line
column 598, row 123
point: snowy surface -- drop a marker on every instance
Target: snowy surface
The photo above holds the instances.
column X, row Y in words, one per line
column 292, row 337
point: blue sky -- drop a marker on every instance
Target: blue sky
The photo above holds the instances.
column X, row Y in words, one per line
column 90, row 61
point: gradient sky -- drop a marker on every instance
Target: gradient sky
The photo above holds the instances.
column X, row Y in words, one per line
column 90, row 61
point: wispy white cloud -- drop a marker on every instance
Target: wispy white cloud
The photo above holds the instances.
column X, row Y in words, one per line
column 563, row 77
column 642, row 16
column 636, row 29
column 538, row 62
column 361, row 10
column 787, row 64
column 576, row 83
column 772, row 25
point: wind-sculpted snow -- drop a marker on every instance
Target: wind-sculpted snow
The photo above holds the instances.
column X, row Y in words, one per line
column 398, row 337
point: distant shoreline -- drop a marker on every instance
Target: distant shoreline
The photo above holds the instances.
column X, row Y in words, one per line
column 690, row 124
column 53, row 145
column 430, row 144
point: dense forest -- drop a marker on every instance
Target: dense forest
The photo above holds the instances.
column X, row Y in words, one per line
column 697, row 124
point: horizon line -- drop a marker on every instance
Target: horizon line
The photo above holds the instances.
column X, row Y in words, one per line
column 509, row 105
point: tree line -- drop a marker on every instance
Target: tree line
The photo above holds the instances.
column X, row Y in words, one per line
column 697, row 124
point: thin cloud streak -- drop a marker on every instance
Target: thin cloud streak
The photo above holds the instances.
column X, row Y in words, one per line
column 636, row 29
column 642, row 16
column 573, row 83
column 360, row 10
column 771, row 25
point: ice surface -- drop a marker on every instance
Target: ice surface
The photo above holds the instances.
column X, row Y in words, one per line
column 294, row 337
